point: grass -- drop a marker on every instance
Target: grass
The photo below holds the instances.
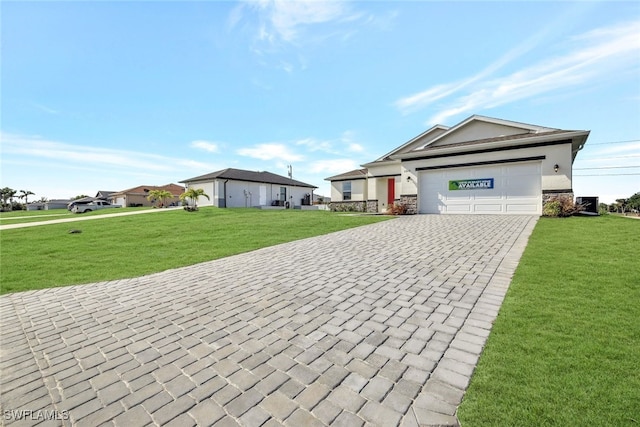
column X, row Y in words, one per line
column 16, row 217
column 565, row 348
column 129, row 246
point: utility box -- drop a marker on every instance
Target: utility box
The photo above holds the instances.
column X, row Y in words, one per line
column 590, row 203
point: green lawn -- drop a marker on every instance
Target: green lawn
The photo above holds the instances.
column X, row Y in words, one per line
column 565, row 348
column 128, row 246
column 18, row 217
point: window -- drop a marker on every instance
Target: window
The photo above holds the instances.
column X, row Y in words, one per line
column 346, row 190
column 283, row 194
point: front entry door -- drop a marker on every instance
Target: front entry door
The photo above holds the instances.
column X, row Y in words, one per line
column 391, row 191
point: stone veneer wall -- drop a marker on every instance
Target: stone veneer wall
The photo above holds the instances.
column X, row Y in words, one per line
column 372, row 206
column 348, row 206
column 411, row 202
column 550, row 194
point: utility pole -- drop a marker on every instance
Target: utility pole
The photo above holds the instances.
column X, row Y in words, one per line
column 290, row 171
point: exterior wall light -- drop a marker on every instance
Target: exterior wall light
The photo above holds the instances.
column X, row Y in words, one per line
column 556, row 167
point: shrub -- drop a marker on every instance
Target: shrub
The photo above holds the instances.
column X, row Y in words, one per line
column 561, row 206
column 397, row 209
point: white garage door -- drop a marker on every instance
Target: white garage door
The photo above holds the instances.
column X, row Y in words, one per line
column 496, row 189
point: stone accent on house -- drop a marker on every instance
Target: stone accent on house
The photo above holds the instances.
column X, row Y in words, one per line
column 552, row 194
column 348, row 206
column 411, row 202
column 372, row 206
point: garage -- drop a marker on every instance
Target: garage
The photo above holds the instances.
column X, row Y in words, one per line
column 494, row 189
column 482, row 165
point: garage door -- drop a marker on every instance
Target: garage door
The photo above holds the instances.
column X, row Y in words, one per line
column 496, row 189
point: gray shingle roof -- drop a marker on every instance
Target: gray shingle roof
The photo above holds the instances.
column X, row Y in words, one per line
column 250, row 176
column 354, row 174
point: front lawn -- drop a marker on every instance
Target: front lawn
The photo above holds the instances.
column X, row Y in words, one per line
column 19, row 217
column 128, row 246
column 565, row 348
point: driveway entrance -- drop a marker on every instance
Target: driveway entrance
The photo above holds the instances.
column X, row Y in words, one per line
column 381, row 324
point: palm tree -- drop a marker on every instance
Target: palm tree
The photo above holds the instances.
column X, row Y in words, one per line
column 7, row 195
column 193, row 194
column 161, row 195
column 25, row 194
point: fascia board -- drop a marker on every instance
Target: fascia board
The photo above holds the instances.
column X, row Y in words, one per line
column 376, row 163
column 493, row 144
column 492, row 120
column 414, row 139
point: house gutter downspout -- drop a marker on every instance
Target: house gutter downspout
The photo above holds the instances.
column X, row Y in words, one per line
column 225, row 193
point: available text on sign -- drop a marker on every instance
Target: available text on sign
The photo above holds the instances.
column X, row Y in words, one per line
column 471, row 184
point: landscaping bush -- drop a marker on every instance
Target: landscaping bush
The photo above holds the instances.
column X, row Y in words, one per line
column 561, row 206
column 397, row 209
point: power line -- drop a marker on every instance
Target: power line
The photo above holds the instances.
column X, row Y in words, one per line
column 611, row 158
column 609, row 167
column 612, row 174
column 614, row 142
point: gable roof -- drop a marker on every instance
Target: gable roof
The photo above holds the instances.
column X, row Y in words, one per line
column 249, row 176
column 422, row 139
column 174, row 189
column 491, row 125
column 478, row 132
column 354, row 174
column 104, row 194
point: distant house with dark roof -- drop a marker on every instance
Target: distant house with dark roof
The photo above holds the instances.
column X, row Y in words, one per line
column 104, row 195
column 138, row 196
column 243, row 188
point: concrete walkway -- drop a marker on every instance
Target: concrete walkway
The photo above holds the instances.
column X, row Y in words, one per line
column 380, row 325
column 79, row 217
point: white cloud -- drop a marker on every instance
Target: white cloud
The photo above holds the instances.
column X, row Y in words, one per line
column 336, row 146
column 70, row 155
column 312, row 144
column 284, row 19
column 211, row 147
column 271, row 151
column 347, row 138
column 333, row 166
column 599, row 53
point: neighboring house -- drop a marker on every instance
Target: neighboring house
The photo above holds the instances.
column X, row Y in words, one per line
column 36, row 206
column 243, row 188
column 56, row 204
column 138, row 196
column 320, row 199
column 482, row 165
column 104, row 195
column 100, row 195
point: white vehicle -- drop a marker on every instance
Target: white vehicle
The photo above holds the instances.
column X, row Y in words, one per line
column 93, row 206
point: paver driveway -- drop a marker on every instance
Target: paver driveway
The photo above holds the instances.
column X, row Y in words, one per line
column 380, row 325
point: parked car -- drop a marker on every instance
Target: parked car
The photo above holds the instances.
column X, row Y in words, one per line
column 93, row 206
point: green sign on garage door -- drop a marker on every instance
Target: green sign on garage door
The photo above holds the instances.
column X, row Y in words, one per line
column 471, row 184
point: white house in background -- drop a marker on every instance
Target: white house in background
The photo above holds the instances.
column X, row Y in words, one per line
column 482, row 165
column 235, row 188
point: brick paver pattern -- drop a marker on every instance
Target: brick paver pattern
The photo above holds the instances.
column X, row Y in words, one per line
column 379, row 325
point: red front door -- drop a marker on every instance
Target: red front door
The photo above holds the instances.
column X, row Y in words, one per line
column 391, row 191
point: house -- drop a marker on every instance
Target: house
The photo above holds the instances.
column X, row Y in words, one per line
column 138, row 196
column 56, row 204
column 482, row 165
column 242, row 188
column 104, row 195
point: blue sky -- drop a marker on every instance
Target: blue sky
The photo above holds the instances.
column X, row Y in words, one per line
column 112, row 95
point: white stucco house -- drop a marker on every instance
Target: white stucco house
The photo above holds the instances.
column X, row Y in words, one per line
column 482, row 165
column 238, row 188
